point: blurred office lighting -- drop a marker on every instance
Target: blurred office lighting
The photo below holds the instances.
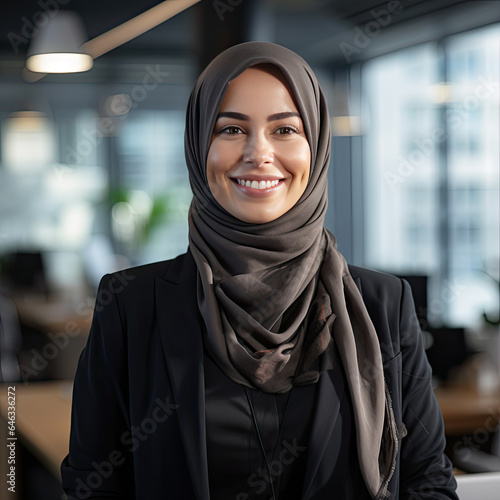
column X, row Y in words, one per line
column 57, row 46
column 75, row 224
column 117, row 105
column 73, row 193
column 130, row 217
column 27, row 142
column 346, row 125
column 346, row 119
column 73, row 183
column 442, row 93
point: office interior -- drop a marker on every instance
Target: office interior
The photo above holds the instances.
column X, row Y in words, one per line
column 93, row 180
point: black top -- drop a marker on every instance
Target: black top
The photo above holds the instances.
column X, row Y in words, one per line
column 237, row 468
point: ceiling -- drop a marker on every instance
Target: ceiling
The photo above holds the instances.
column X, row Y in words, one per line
column 317, row 29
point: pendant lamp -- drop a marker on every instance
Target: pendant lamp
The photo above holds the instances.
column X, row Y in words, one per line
column 57, row 46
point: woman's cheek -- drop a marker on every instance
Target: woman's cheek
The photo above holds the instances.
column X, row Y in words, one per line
column 216, row 168
column 296, row 158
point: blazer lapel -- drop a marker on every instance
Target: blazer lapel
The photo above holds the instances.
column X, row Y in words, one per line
column 180, row 331
column 328, row 399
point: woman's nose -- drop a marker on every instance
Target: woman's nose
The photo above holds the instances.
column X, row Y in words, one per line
column 258, row 150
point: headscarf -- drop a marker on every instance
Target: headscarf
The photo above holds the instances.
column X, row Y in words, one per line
column 277, row 297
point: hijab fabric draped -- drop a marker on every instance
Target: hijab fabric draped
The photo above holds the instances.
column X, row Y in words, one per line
column 277, row 298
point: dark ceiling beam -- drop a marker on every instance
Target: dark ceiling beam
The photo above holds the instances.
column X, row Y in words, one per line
column 220, row 25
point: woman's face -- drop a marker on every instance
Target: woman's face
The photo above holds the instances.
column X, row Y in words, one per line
column 259, row 158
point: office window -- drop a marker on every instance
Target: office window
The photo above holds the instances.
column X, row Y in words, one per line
column 431, row 164
column 475, row 170
column 150, row 152
column 401, row 162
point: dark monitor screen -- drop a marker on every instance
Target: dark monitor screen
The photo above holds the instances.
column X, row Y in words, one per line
column 25, row 270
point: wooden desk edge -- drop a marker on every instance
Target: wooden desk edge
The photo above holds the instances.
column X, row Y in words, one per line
column 51, row 463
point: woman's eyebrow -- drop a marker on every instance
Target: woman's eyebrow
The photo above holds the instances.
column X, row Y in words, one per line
column 270, row 118
column 283, row 115
column 234, row 115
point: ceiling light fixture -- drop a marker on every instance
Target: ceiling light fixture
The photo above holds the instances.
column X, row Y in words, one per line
column 82, row 54
column 57, row 47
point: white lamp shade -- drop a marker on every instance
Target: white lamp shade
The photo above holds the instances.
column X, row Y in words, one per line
column 56, row 47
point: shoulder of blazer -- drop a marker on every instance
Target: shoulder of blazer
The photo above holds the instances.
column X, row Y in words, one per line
column 133, row 289
column 373, row 283
column 140, row 276
column 383, row 297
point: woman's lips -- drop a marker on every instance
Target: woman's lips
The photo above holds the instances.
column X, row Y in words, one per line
column 258, row 188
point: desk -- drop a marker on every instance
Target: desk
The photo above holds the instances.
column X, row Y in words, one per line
column 43, row 415
column 55, row 315
column 466, row 409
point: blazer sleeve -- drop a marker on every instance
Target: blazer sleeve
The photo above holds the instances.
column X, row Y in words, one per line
column 98, row 465
column 426, row 473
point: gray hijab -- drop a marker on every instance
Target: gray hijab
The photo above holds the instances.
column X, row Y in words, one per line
column 276, row 298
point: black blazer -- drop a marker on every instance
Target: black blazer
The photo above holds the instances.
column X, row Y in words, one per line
column 138, row 419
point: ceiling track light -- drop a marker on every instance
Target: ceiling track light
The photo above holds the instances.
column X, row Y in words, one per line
column 60, row 46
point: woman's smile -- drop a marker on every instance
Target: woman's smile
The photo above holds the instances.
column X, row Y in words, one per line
column 259, row 186
column 259, row 158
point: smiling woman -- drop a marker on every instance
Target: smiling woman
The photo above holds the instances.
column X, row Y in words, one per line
column 286, row 372
column 259, row 158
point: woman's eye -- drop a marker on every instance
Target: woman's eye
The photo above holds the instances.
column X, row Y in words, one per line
column 286, row 130
column 230, row 130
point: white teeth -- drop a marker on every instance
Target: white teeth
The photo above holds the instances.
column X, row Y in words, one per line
column 258, row 184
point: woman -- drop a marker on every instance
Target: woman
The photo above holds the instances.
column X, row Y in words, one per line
column 257, row 365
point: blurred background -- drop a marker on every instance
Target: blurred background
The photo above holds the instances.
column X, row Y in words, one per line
column 93, row 179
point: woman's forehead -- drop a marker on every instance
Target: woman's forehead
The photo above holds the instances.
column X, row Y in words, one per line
column 259, row 85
